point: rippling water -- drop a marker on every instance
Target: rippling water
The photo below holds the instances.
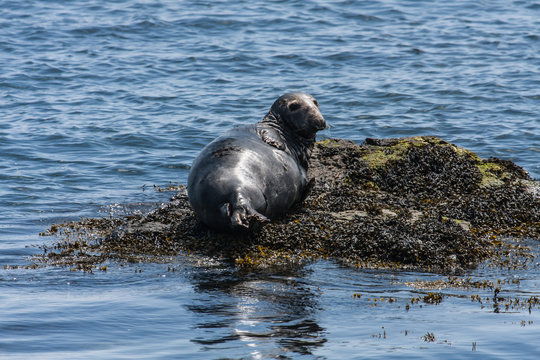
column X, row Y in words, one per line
column 100, row 100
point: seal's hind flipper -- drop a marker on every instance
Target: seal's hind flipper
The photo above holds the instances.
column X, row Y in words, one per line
column 239, row 218
column 242, row 216
column 258, row 217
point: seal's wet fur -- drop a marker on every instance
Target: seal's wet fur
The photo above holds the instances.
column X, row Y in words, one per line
column 254, row 173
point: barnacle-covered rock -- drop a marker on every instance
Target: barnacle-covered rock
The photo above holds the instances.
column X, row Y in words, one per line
column 417, row 202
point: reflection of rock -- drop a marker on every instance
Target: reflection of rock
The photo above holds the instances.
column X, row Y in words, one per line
column 419, row 202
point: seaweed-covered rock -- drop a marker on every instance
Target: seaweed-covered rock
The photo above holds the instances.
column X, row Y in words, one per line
column 416, row 202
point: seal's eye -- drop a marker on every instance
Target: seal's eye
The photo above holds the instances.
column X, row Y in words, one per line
column 316, row 103
column 294, row 106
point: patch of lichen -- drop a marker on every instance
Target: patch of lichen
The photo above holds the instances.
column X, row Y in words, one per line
column 328, row 143
column 410, row 203
column 380, row 156
column 490, row 174
column 497, row 172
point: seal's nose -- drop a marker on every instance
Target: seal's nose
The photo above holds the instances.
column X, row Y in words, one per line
column 320, row 124
column 317, row 121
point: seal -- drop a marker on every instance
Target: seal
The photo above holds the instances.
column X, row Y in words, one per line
column 255, row 173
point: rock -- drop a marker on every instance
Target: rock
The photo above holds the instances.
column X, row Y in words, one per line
column 417, row 202
column 348, row 215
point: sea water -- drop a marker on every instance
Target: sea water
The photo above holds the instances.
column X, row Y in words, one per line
column 102, row 100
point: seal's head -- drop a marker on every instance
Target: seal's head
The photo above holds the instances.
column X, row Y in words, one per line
column 299, row 114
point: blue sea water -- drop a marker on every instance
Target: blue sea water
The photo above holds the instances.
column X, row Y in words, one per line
column 101, row 100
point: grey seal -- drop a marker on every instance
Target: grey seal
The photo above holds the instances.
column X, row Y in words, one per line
column 255, row 173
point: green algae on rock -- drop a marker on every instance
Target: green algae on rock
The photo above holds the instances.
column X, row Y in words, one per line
column 419, row 203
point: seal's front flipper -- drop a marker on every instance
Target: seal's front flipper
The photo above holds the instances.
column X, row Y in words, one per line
column 272, row 138
column 307, row 189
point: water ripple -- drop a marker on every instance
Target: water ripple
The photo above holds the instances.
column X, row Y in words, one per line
column 102, row 99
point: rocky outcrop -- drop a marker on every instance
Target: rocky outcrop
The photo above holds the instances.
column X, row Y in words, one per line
column 418, row 203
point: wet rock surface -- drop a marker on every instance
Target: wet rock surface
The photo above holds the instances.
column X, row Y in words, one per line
column 415, row 203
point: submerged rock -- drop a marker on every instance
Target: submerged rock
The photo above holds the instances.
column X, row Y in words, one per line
column 416, row 202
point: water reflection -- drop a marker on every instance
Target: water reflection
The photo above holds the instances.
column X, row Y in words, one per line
column 267, row 314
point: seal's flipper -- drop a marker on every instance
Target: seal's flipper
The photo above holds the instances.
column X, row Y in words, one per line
column 239, row 218
column 258, row 217
column 272, row 138
column 307, row 189
column 242, row 216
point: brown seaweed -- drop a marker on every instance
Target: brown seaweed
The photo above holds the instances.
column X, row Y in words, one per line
column 415, row 203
